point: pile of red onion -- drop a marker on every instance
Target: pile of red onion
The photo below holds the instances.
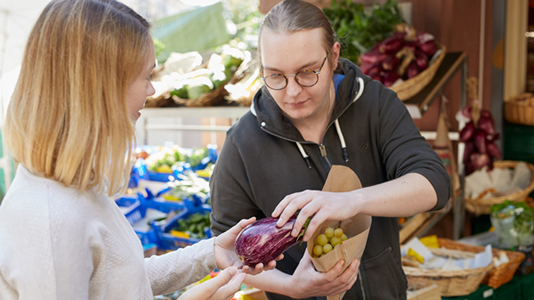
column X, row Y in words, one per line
column 403, row 55
column 479, row 138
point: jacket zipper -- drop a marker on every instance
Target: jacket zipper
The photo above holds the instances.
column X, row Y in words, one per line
column 322, row 149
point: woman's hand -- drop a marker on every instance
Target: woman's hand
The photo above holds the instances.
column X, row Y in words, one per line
column 318, row 205
column 222, row 287
column 225, row 255
column 307, row 282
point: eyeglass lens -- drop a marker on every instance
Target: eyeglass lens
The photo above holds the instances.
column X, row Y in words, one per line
column 304, row 78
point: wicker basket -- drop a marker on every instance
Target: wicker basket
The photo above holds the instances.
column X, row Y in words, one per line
column 505, row 272
column 520, row 112
column 209, row 99
column 481, row 206
column 412, row 86
column 451, row 283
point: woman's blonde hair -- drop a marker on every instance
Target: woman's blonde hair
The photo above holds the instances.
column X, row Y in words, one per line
column 295, row 15
column 68, row 118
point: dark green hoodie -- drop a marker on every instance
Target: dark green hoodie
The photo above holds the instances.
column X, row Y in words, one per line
column 264, row 158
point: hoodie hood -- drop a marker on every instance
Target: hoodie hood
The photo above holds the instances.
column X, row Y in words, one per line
column 270, row 118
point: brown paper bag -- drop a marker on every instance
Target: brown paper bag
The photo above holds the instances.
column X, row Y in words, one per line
column 342, row 179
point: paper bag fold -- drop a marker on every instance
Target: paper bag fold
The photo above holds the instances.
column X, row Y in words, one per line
column 342, row 179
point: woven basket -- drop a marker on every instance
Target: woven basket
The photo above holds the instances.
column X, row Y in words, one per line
column 480, row 206
column 414, row 85
column 520, row 112
column 505, row 272
column 209, row 99
column 452, row 283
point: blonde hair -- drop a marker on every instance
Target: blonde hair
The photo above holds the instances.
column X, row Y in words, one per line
column 295, row 15
column 68, row 118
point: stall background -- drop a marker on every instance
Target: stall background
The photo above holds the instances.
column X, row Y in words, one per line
column 16, row 21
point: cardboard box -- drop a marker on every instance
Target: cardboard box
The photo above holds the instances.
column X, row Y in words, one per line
column 431, row 292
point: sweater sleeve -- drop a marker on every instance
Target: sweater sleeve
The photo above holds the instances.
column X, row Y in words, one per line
column 405, row 151
column 175, row 270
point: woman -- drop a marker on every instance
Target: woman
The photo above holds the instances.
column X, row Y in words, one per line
column 70, row 125
column 316, row 110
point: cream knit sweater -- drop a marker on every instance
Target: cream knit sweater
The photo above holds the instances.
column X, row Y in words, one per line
column 57, row 243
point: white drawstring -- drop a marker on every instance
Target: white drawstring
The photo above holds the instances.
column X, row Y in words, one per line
column 338, row 129
column 342, row 140
column 304, row 154
column 360, row 91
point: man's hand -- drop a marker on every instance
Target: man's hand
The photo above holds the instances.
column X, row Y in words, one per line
column 307, row 282
column 317, row 205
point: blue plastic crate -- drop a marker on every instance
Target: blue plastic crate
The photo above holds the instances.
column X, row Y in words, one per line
column 167, row 241
column 157, row 202
column 137, row 207
column 134, row 212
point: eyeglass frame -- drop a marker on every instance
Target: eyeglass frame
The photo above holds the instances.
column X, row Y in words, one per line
column 295, row 75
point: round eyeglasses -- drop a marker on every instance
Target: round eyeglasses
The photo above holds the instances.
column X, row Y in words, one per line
column 304, row 78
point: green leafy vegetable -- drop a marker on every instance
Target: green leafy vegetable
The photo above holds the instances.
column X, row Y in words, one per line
column 359, row 28
column 194, row 225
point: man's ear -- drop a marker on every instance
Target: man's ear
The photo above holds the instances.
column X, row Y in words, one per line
column 335, row 51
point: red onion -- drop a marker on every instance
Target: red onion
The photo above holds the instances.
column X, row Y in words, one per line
column 412, row 70
column 372, row 57
column 390, row 63
column 480, row 141
column 389, row 78
column 391, row 45
column 421, row 59
column 467, row 132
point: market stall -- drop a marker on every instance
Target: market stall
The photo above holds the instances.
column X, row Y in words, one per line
column 212, row 80
column 424, row 73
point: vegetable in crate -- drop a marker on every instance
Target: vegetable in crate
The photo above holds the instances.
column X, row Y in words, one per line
column 187, row 185
column 195, row 225
column 164, row 159
column 262, row 241
column 196, row 156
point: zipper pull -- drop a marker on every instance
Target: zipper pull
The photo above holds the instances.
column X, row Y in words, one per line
column 322, row 148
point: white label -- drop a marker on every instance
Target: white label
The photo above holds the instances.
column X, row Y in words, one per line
column 488, row 293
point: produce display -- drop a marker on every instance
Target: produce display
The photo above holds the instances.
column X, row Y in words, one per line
column 163, row 159
column 262, row 241
column 184, row 80
column 361, row 28
column 401, row 56
column 194, row 226
column 328, row 240
column 513, row 223
column 187, row 186
column 479, row 137
column 217, row 73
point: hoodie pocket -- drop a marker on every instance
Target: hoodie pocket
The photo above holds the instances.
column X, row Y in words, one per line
column 384, row 278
